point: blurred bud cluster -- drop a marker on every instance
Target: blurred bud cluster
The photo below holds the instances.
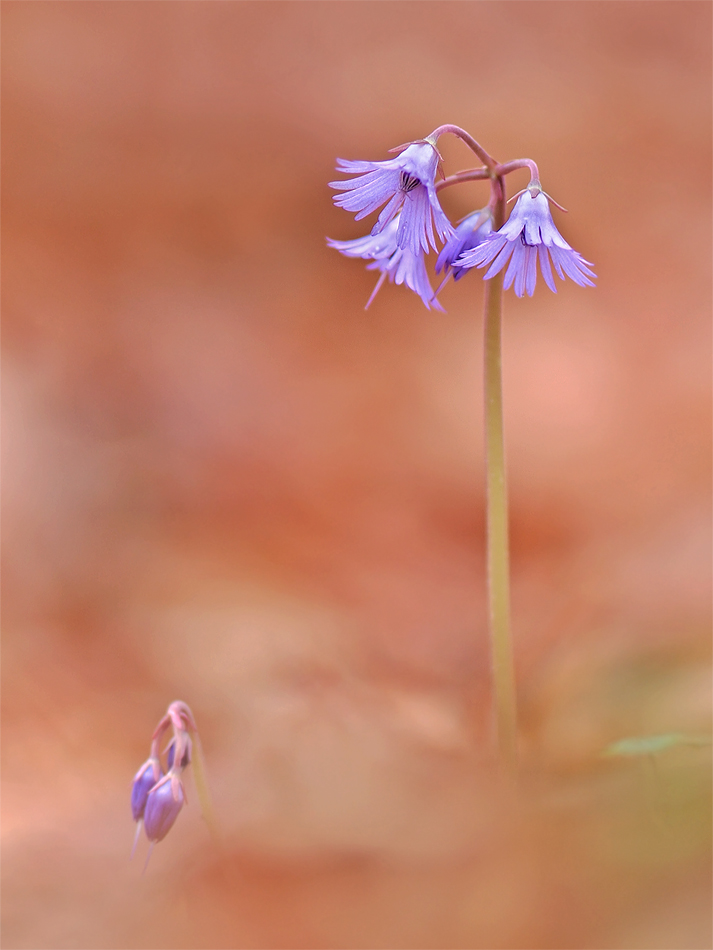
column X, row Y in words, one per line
column 157, row 796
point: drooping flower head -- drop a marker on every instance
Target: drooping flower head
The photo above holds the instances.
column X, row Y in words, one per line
column 156, row 799
column 406, row 184
column 471, row 232
column 527, row 236
column 400, row 264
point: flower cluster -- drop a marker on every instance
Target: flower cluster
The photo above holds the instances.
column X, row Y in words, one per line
column 411, row 216
column 157, row 796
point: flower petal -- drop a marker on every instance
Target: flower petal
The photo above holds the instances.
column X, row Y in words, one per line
column 546, row 268
column 530, row 269
column 500, row 259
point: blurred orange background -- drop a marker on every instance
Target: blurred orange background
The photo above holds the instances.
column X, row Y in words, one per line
column 226, row 483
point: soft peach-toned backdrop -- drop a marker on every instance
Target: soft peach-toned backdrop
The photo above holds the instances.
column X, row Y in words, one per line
column 225, row 482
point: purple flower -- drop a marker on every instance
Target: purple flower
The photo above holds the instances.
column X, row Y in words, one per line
column 164, row 802
column 471, row 232
column 144, row 780
column 400, row 264
column 407, row 183
column 529, row 234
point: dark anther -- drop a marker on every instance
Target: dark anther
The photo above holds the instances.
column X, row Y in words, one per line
column 408, row 182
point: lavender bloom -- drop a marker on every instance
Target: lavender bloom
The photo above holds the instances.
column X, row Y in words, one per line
column 144, row 780
column 400, row 265
column 471, row 232
column 529, row 234
column 407, row 183
column 164, row 802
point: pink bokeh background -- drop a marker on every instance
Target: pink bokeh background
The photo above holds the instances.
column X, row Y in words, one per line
column 225, row 482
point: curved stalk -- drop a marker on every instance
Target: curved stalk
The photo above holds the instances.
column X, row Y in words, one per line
column 464, row 136
column 470, row 174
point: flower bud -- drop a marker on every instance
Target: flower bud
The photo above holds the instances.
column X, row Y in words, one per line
column 144, row 780
column 164, row 802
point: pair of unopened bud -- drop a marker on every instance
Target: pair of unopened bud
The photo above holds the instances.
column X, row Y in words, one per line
column 157, row 797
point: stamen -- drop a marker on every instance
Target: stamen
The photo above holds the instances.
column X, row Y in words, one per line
column 407, row 182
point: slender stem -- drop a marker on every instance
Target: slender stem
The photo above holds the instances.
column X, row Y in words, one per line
column 470, row 174
column 497, row 514
column 204, row 799
column 519, row 163
column 464, row 136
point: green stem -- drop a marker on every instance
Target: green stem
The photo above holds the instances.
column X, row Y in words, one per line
column 497, row 517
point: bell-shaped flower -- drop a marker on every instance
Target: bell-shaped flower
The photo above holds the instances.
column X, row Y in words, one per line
column 144, row 780
column 528, row 236
column 400, row 264
column 164, row 802
column 471, row 232
column 406, row 184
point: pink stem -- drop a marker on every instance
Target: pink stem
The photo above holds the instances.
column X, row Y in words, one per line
column 519, row 163
column 474, row 146
column 470, row 174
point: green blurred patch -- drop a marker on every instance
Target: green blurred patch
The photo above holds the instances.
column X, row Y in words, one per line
column 651, row 745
